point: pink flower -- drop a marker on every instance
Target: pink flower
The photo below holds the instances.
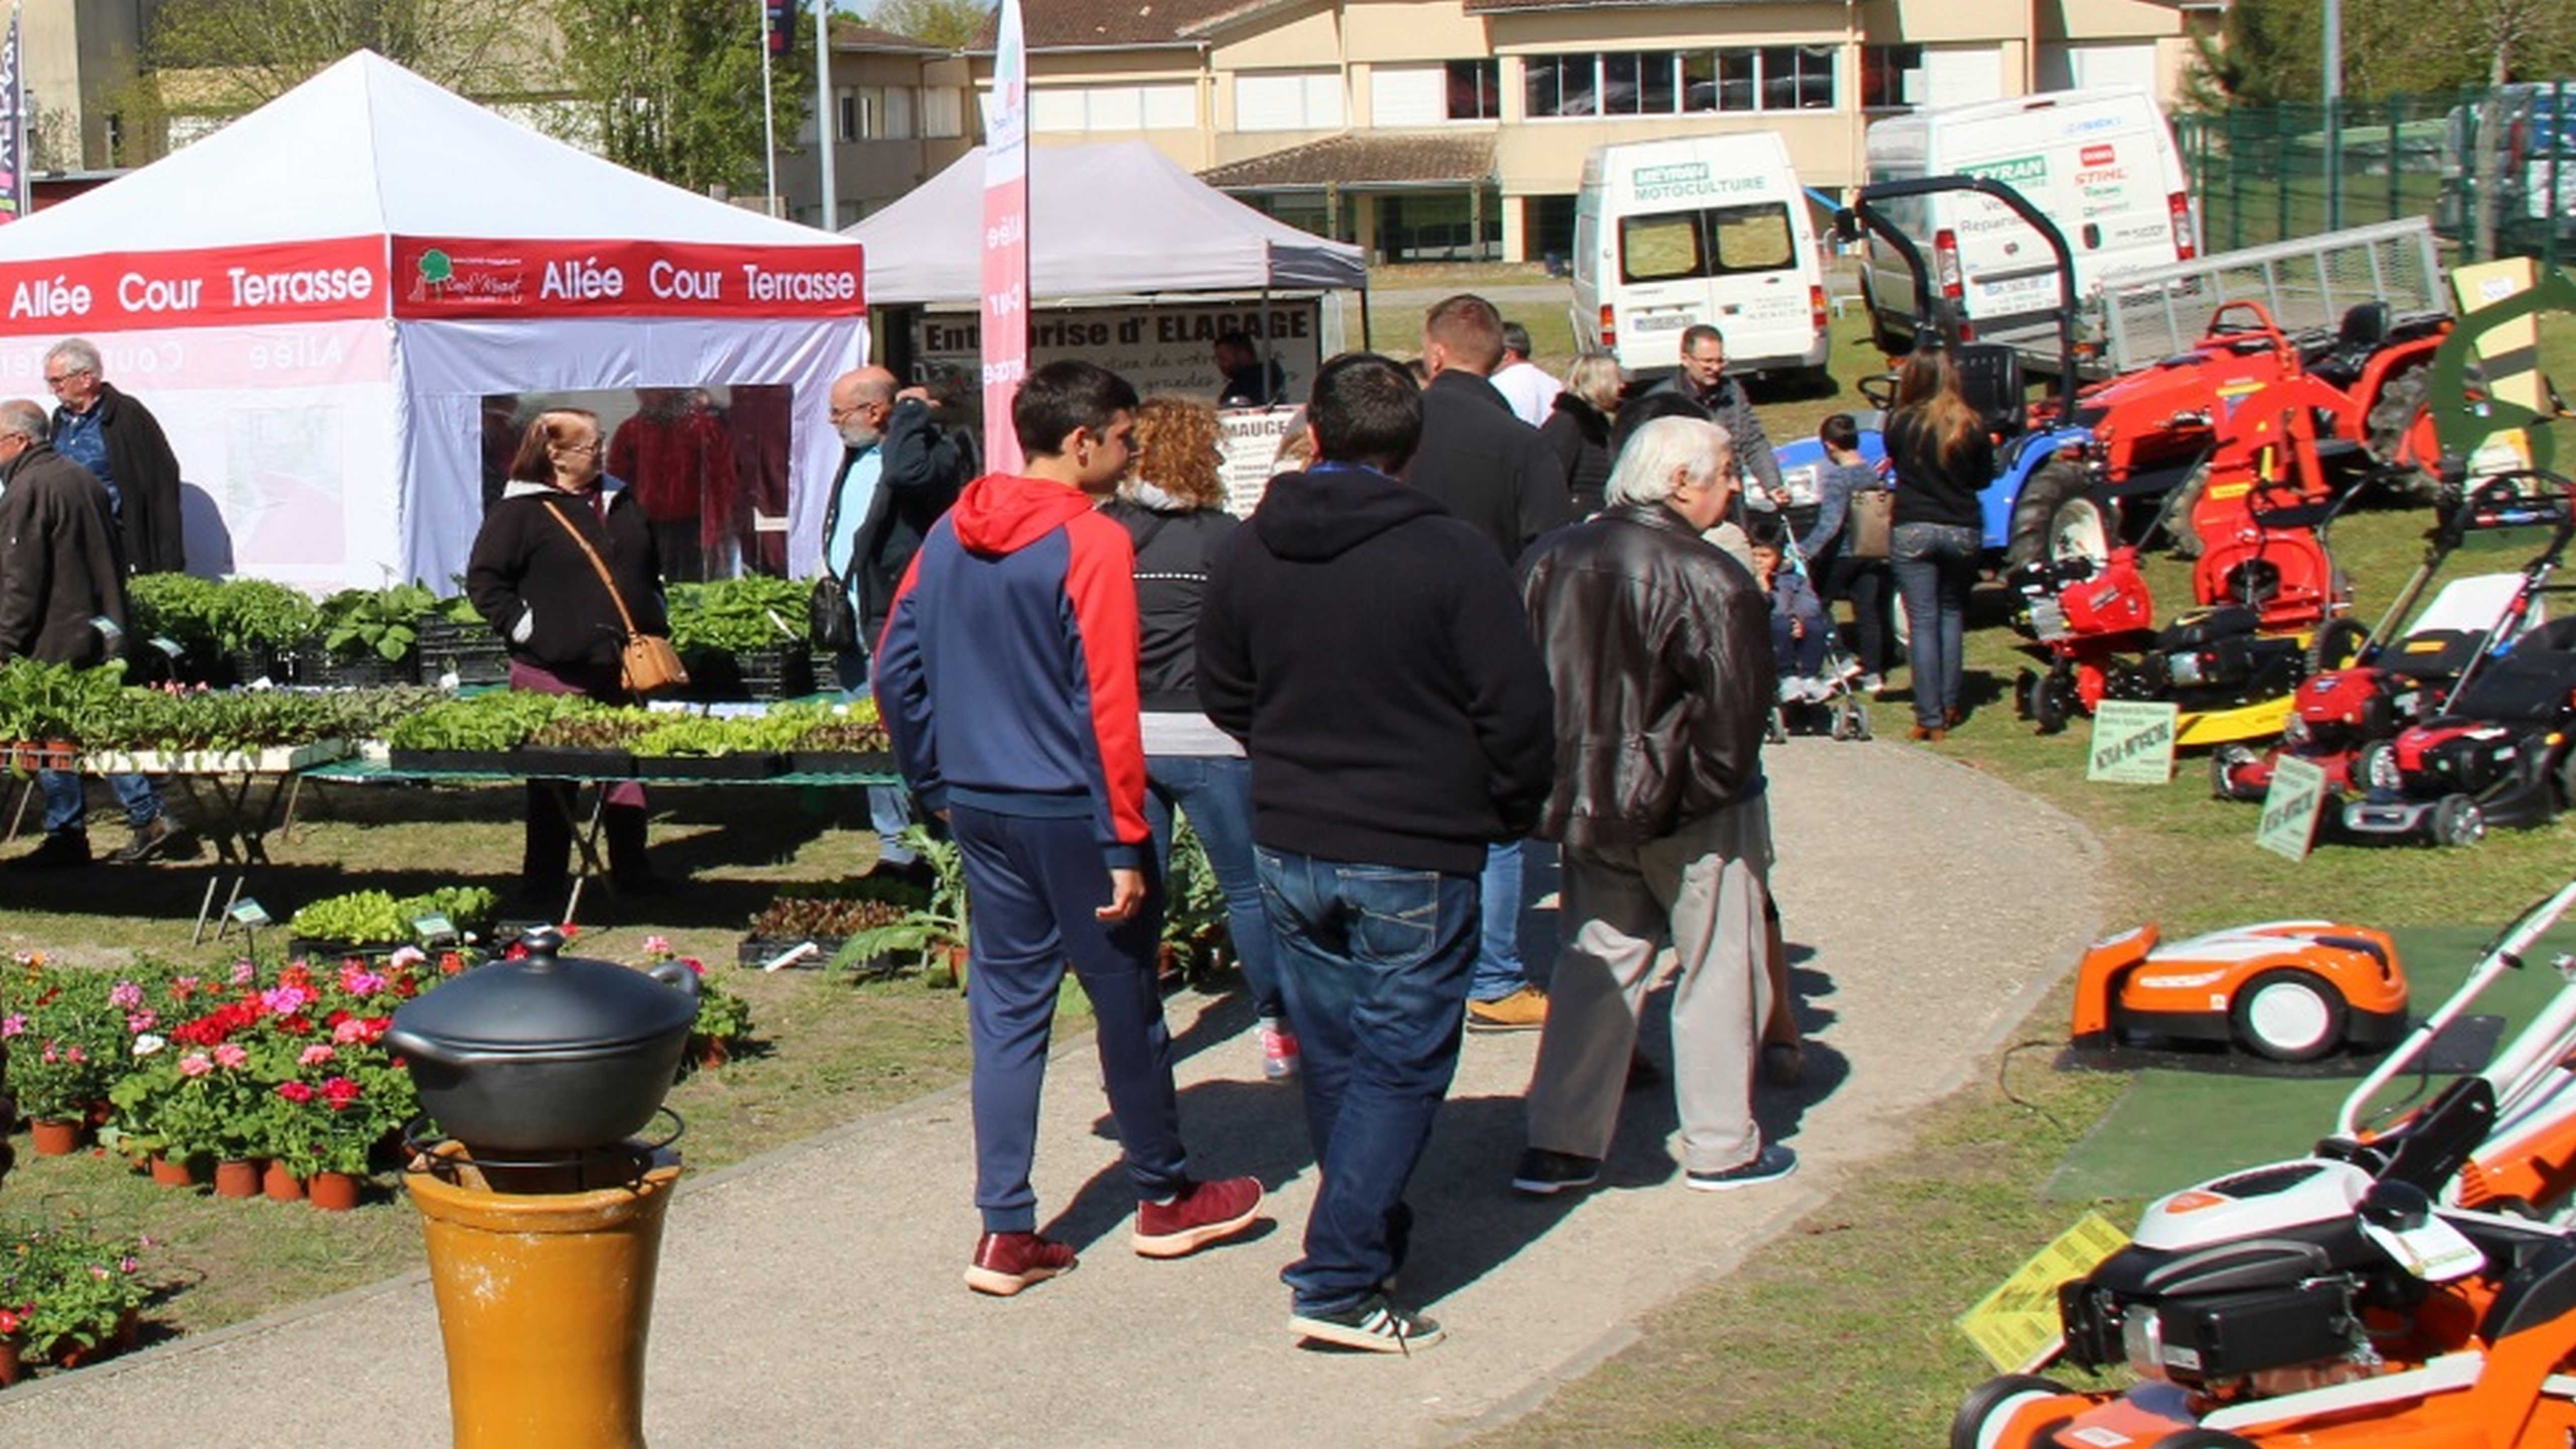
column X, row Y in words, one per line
column 295, row 1092
column 231, row 1054
column 244, row 973
column 315, row 1055
column 125, row 996
column 403, row 957
column 194, row 1064
column 348, row 1031
column 76, row 1054
column 14, row 1024
column 363, row 983
column 128, row 1264
column 185, row 986
column 283, row 1000
column 657, row 945
column 141, row 1022
column 50, row 1054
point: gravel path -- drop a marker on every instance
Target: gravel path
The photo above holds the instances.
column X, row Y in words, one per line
column 812, row 1297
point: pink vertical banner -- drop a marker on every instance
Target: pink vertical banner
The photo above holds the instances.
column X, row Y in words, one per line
column 15, row 165
column 1006, row 241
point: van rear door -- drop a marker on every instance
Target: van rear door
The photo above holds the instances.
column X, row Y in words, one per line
column 1735, row 266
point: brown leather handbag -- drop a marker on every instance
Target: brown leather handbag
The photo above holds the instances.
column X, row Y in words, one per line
column 646, row 662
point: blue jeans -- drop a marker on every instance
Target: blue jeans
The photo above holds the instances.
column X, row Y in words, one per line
column 1035, row 884
column 1373, row 962
column 1935, row 566
column 1499, row 971
column 1215, row 792
column 67, row 807
column 889, row 806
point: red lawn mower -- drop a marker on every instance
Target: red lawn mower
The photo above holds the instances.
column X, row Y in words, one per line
column 2396, row 681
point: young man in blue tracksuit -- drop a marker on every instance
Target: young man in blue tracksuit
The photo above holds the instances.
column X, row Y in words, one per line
column 1007, row 677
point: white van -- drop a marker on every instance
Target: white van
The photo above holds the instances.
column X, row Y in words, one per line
column 1708, row 229
column 2102, row 164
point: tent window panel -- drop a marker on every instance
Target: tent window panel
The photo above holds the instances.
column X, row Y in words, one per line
column 1171, row 107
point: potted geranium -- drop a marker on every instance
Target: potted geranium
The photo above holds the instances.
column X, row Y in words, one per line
column 62, row 1044
column 78, row 1294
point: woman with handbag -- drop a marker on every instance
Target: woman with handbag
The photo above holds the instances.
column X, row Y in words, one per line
column 565, row 572
column 1846, row 549
column 1943, row 459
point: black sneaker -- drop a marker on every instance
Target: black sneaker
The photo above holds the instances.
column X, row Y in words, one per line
column 1547, row 1173
column 59, row 851
column 1771, row 1164
column 152, row 839
column 1375, row 1326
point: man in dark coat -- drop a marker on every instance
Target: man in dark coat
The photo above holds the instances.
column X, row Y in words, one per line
column 1703, row 380
column 62, row 601
column 1489, row 468
column 117, row 439
column 900, row 470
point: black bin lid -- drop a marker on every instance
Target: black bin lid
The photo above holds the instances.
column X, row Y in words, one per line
column 549, row 1002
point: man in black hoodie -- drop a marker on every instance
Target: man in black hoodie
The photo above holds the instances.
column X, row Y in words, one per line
column 1369, row 650
column 1488, row 467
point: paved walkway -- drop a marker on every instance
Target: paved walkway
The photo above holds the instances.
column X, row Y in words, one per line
column 812, row 1297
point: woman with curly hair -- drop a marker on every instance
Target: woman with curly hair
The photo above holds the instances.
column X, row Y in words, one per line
column 1173, row 507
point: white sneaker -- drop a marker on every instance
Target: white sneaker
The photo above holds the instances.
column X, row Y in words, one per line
column 1871, row 684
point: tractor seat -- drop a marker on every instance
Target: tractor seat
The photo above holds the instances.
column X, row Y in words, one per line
column 2364, row 332
column 1990, row 379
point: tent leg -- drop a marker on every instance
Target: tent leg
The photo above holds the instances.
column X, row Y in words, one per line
column 1367, row 344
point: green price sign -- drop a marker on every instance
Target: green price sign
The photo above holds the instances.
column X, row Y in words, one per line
column 2291, row 807
column 2133, row 743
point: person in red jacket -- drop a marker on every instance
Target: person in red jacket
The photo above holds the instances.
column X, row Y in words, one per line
column 1007, row 678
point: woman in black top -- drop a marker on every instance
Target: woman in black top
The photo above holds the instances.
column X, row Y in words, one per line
column 1173, row 508
column 1578, row 429
column 1943, row 460
column 534, row 583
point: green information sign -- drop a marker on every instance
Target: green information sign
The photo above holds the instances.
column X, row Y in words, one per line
column 2133, row 743
column 248, row 912
column 2291, row 807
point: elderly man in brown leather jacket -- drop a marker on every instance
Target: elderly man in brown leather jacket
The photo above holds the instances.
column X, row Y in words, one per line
column 1659, row 649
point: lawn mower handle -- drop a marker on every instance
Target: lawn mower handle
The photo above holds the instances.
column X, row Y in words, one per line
column 2505, row 954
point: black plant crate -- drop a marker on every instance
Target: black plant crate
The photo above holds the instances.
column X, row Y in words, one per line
column 481, row 762
column 307, row 948
column 758, row 951
column 777, row 673
column 571, row 764
column 249, row 666
column 472, row 652
column 363, row 671
column 841, row 762
column 709, row 767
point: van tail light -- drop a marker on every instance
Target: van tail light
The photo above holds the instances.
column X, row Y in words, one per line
column 1954, row 289
column 1816, row 307
column 1609, row 329
column 2178, row 207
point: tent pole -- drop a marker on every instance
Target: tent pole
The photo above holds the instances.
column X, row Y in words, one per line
column 827, row 117
column 1366, row 343
column 768, row 119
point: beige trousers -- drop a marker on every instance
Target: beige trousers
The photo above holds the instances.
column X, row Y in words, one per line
column 1701, row 890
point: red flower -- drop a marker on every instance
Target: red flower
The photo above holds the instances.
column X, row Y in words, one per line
column 8, row 1324
column 295, row 1092
column 340, row 1092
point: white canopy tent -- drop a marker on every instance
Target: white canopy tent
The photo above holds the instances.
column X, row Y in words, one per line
column 1110, row 219
column 314, row 300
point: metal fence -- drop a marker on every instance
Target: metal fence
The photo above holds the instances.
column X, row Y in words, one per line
column 2494, row 170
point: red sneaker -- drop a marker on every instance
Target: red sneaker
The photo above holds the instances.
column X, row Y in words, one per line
column 1203, row 1213
column 1005, row 1263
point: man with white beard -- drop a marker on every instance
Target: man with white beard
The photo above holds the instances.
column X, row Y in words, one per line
column 899, row 471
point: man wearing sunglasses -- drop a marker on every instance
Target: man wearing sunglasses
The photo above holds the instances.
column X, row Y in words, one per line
column 118, row 440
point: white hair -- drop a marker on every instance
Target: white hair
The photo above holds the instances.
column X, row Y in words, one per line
column 1661, row 449
column 23, row 417
column 77, row 352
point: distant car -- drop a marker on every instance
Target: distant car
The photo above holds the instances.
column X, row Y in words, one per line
column 2535, row 179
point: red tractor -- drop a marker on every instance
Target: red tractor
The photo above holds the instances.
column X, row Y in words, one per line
column 2159, row 426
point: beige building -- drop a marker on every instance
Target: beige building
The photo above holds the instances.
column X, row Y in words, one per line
column 900, row 110
column 81, row 58
column 1431, row 129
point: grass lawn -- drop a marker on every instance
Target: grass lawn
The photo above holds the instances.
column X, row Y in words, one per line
column 1839, row 1334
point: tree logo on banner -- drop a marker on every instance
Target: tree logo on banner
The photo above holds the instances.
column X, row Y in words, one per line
column 436, row 270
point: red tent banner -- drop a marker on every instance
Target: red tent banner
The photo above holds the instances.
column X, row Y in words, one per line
column 461, row 278
column 304, row 281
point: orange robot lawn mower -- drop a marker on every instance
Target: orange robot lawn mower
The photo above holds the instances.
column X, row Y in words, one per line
column 2290, row 991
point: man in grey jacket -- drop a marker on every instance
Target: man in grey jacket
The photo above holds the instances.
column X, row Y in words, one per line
column 1703, row 380
column 1658, row 647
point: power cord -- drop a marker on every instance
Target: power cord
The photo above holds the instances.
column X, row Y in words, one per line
column 2004, row 1064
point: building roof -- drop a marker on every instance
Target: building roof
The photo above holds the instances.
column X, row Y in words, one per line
column 1378, row 158
column 851, row 35
column 1099, row 24
column 1488, row 7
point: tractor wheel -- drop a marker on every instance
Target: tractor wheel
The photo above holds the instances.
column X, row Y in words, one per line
column 2059, row 516
column 2457, row 820
column 2567, row 781
column 2337, row 644
column 2173, row 516
column 1980, row 1422
column 2048, row 708
column 2288, row 1015
column 2391, row 417
column 2224, row 762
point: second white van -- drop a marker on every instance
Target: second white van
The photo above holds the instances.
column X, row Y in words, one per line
column 1710, row 229
column 2101, row 164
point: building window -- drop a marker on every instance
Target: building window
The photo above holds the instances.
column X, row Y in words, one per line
column 898, row 113
column 845, row 110
column 1551, row 226
column 1075, row 109
column 1475, row 90
column 1891, row 77
column 1669, row 82
column 943, row 112
column 1288, row 101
